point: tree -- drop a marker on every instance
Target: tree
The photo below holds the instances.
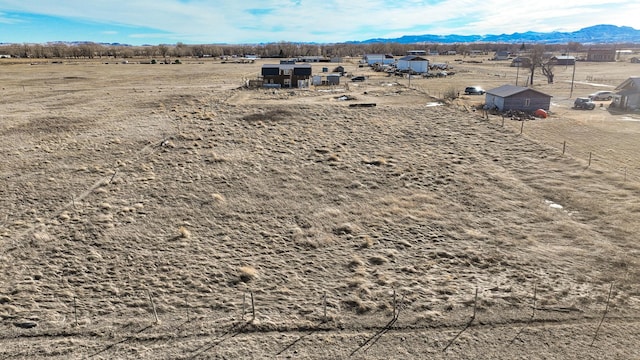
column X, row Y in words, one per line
column 163, row 49
column 574, row 46
column 547, row 70
column 537, row 58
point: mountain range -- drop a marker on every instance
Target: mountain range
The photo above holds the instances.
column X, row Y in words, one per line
column 597, row 34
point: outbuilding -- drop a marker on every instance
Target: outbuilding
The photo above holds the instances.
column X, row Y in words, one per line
column 628, row 95
column 601, row 55
column 333, row 79
column 563, row 60
column 521, row 61
column 414, row 63
column 501, row 55
column 381, row 59
column 511, row 97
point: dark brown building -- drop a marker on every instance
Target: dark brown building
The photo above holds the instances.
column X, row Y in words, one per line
column 601, row 55
column 286, row 75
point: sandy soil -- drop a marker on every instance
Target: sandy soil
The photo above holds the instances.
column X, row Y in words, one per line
column 160, row 212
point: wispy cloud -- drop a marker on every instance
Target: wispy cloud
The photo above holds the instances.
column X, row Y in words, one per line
column 328, row 20
column 260, row 12
column 6, row 19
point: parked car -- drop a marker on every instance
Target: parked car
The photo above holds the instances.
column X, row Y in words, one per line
column 474, row 90
column 584, row 104
column 358, row 78
column 602, row 95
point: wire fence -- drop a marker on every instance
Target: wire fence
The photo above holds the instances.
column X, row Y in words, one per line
column 143, row 308
column 625, row 171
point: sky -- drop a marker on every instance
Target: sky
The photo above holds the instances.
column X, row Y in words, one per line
column 139, row 22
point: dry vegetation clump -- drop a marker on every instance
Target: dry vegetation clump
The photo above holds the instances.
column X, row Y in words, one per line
column 247, row 273
column 268, row 116
column 184, row 232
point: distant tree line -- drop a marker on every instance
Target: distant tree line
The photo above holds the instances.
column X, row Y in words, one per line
column 88, row 50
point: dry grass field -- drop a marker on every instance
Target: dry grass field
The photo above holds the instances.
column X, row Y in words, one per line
column 161, row 212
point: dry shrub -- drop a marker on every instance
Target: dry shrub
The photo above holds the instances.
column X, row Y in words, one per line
column 215, row 158
column 450, row 94
column 184, row 232
column 272, row 115
column 376, row 161
column 104, row 219
column 355, row 262
column 42, row 236
column 333, row 157
column 367, row 241
column 345, row 229
column 218, row 198
column 378, row 260
column 357, row 304
column 247, row 273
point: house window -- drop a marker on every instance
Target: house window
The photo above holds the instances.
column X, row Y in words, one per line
column 527, row 102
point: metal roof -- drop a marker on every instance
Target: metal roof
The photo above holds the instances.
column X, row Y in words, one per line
column 286, row 66
column 634, row 81
column 413, row 58
column 510, row 90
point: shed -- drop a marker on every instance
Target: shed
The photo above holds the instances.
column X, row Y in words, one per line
column 382, row 59
column 511, row 97
column 414, row 63
column 563, row 60
column 521, row 61
column 417, row 52
column 501, row 55
column 333, row 79
column 339, row 69
column 312, row 59
column 628, row 95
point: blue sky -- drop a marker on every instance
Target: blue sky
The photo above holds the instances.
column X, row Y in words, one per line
column 140, row 22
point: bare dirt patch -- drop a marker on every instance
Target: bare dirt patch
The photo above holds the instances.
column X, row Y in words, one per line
column 165, row 190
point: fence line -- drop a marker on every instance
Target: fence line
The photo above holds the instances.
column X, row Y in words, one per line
column 143, row 304
column 175, row 320
column 621, row 168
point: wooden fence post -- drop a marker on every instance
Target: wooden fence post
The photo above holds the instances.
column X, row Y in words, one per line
column 244, row 304
column 75, row 311
column 153, row 306
column 324, row 307
column 253, row 307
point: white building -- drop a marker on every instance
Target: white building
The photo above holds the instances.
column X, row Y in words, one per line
column 413, row 63
column 381, row 59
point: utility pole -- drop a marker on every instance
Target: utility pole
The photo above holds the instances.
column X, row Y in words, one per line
column 572, row 77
